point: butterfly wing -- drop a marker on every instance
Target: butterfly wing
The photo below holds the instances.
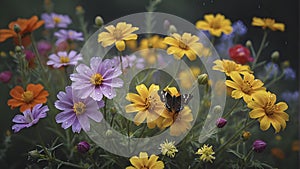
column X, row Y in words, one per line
column 186, row 98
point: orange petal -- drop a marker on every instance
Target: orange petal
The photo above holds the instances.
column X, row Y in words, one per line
column 17, row 92
column 36, row 89
column 13, row 103
column 25, row 107
column 6, row 33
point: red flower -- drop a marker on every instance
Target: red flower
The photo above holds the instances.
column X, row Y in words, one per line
column 240, row 54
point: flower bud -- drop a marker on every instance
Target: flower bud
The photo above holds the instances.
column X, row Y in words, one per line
column 275, row 56
column 172, row 29
column 259, row 146
column 79, row 10
column 167, row 24
column 99, row 21
column 5, row 76
column 248, row 43
column 109, row 133
column 217, row 109
column 3, row 54
column 203, row 79
column 246, row 135
column 221, row 122
column 285, row 64
column 18, row 49
column 240, row 54
column 34, row 154
column 83, row 147
column 17, row 28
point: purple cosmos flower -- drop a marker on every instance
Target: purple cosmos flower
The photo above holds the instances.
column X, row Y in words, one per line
column 76, row 112
column 53, row 20
column 65, row 35
column 97, row 80
column 44, row 47
column 5, row 76
column 289, row 73
column 64, row 59
column 259, row 146
column 29, row 117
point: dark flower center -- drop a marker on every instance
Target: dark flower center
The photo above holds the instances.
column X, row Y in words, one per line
column 96, row 79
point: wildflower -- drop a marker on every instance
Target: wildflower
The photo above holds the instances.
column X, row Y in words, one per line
column 244, row 87
column 216, row 25
column 267, row 112
column 44, row 47
column 97, row 80
column 34, row 94
column 148, row 48
column 5, row 76
column 206, row 153
column 290, row 96
column 168, row 148
column 240, row 54
column 77, row 112
column 259, row 146
column 221, row 122
column 146, row 103
column 186, row 80
column 186, row 44
column 26, row 26
column 246, row 135
column 68, row 35
column 289, row 73
column 239, row 28
column 142, row 162
column 53, row 20
column 64, row 59
column 29, row 117
column 267, row 23
column 117, row 35
column 83, row 147
column 228, row 67
column 271, row 70
column 278, row 153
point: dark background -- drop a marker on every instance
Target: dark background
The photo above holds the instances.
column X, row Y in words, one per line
column 287, row 43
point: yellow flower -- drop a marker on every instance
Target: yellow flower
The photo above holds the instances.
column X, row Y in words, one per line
column 215, row 24
column 148, row 48
column 228, row 66
column 142, row 162
column 206, row 153
column 118, row 35
column 146, row 103
column 179, row 122
column 187, row 44
column 244, row 87
column 186, row 80
column 267, row 112
column 267, row 23
column 168, row 148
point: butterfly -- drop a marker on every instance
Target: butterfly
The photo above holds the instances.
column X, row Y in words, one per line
column 174, row 103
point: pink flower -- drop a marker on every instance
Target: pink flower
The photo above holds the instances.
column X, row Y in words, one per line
column 5, row 76
column 240, row 54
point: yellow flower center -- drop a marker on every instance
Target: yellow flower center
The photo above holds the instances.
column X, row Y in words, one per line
column 269, row 109
column 269, row 22
column 230, row 66
column 56, row 20
column 96, row 79
column 79, row 108
column 64, row 59
column 118, row 34
column 215, row 24
column 182, row 45
column 246, row 87
column 27, row 96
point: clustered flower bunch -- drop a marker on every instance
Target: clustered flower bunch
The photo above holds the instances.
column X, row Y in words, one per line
column 61, row 95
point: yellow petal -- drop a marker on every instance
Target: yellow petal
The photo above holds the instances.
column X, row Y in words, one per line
column 120, row 45
column 143, row 91
column 257, row 113
column 282, row 106
column 133, row 108
column 265, row 123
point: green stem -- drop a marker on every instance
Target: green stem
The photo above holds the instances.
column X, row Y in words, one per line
column 275, row 80
column 232, row 108
column 67, row 163
column 262, row 46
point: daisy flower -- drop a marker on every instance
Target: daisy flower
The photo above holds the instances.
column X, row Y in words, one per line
column 206, row 153
column 267, row 23
column 229, row 66
column 53, row 20
column 143, row 161
column 77, row 112
column 34, row 94
column 68, row 35
column 186, row 44
column 29, row 117
column 117, row 35
column 216, row 25
column 168, row 148
column 267, row 112
column 97, row 80
column 64, row 58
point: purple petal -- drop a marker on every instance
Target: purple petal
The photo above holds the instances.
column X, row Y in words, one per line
column 97, row 94
column 17, row 127
column 94, row 115
column 108, row 91
column 84, row 122
column 76, row 127
column 19, row 119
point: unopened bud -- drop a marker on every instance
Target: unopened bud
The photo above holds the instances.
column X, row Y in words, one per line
column 17, row 28
column 259, row 146
column 167, row 24
column 34, row 154
column 79, row 10
column 172, row 29
column 285, row 64
column 83, row 147
column 275, row 56
column 18, row 49
column 246, row 135
column 221, row 122
column 217, row 109
column 248, row 43
column 203, row 79
column 99, row 21
column 109, row 133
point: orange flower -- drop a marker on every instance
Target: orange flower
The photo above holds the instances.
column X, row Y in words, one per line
column 26, row 26
column 33, row 95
